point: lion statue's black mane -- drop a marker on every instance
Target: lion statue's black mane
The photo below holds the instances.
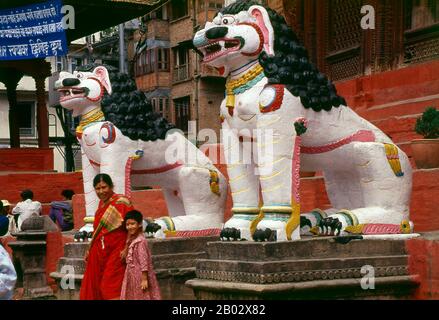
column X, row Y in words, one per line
column 128, row 109
column 290, row 65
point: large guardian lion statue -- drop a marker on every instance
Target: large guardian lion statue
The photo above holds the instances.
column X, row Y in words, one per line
column 273, row 89
column 120, row 135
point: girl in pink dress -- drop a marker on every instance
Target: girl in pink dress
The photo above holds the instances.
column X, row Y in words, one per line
column 140, row 282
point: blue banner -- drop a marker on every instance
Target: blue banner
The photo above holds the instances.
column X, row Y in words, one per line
column 33, row 31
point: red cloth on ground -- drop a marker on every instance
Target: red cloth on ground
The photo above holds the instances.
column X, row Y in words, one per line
column 105, row 270
column 138, row 260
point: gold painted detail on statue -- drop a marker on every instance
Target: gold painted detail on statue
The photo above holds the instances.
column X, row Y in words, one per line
column 294, row 221
column 242, row 84
column 89, row 118
column 247, row 210
column 277, row 209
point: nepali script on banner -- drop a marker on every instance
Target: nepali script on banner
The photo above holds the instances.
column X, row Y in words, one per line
column 34, row 31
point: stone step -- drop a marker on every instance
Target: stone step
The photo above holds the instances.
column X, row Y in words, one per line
column 157, row 246
column 300, row 270
column 179, row 245
column 75, row 249
column 177, row 260
column 303, row 249
column 78, row 265
column 301, row 265
column 165, row 253
column 395, row 287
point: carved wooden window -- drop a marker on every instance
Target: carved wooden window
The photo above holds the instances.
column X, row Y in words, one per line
column 344, row 37
column 421, row 36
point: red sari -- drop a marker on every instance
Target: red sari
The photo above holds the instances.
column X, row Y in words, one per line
column 105, row 270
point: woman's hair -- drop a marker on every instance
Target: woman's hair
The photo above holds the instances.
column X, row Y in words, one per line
column 103, row 177
column 27, row 194
column 68, row 194
column 134, row 215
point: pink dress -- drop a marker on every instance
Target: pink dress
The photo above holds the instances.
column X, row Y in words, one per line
column 138, row 260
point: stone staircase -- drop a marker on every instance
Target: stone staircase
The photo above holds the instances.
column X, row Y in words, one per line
column 306, row 269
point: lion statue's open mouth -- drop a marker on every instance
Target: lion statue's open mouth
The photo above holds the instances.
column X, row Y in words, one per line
column 219, row 48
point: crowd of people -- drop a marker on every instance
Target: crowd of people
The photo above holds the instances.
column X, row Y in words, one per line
column 118, row 260
column 12, row 217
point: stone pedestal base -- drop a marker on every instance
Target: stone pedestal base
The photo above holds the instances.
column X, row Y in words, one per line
column 174, row 263
column 305, row 269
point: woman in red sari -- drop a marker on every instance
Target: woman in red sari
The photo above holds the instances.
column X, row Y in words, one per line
column 105, row 270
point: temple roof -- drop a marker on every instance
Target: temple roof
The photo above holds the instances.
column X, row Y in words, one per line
column 96, row 15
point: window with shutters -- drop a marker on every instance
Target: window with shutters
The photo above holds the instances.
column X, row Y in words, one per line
column 421, row 35
column 182, row 113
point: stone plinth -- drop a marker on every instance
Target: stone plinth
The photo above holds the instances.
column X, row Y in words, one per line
column 29, row 252
column 305, row 269
column 174, row 263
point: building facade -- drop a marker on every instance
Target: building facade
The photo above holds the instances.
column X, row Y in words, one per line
column 170, row 73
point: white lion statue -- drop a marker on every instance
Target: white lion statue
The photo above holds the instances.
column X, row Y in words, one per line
column 273, row 89
column 121, row 136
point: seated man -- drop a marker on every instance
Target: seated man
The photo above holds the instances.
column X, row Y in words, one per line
column 61, row 211
column 26, row 208
column 8, row 276
column 7, row 211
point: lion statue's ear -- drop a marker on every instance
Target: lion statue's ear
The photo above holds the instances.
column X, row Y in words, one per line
column 264, row 23
column 102, row 74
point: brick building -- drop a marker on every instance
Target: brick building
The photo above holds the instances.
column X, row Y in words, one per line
column 170, row 73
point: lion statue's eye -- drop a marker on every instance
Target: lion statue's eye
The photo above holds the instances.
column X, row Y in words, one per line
column 79, row 75
column 228, row 20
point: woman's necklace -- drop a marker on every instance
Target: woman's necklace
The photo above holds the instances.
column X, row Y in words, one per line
column 242, row 84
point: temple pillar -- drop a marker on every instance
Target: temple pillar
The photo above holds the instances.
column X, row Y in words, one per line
column 11, row 81
column 42, row 118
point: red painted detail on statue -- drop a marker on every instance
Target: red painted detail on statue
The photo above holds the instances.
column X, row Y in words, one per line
column 128, row 168
column 261, row 38
column 79, row 136
column 94, row 163
column 195, row 233
column 278, row 99
column 296, row 163
column 111, row 132
column 101, row 94
column 360, row 136
column 230, row 109
column 221, row 70
column 371, row 229
column 158, row 170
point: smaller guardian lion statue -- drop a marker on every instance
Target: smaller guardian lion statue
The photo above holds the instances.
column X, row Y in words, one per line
column 121, row 136
column 273, row 89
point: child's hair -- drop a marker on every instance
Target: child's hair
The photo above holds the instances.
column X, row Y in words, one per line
column 135, row 215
